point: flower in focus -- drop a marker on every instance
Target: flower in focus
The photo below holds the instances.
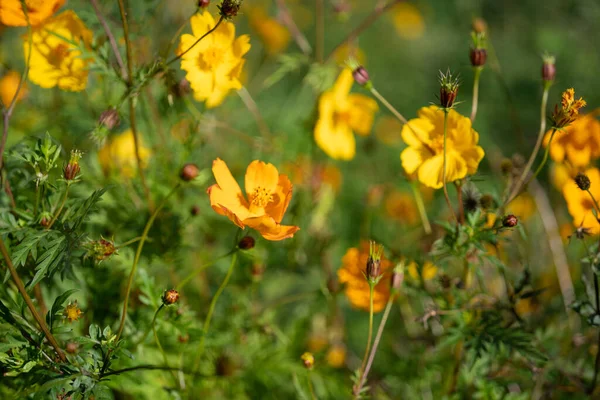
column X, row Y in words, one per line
column 352, row 274
column 269, row 195
column 408, row 21
column 213, row 65
column 341, row 113
column 118, row 155
column 9, row 84
column 427, row 272
column 568, row 110
column 401, row 207
column 581, row 204
column 56, row 61
column 72, row 312
column 11, row 11
column 274, row 36
column 424, row 136
column 578, row 143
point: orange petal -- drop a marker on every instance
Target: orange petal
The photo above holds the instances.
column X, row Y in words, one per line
column 271, row 230
column 281, row 199
column 261, row 175
column 225, row 205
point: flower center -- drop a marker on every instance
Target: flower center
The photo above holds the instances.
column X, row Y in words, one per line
column 211, row 58
column 437, row 144
column 341, row 118
column 58, row 54
column 261, row 197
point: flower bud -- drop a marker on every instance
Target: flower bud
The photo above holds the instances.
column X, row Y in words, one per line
column 510, row 221
column 582, row 181
column 246, row 243
column 506, row 166
column 170, row 297
column 189, row 172
column 257, row 271
column 203, row 3
column 45, row 219
column 448, row 89
column 373, row 270
column 361, row 76
column 478, row 57
column 72, row 168
column 109, row 118
column 398, row 278
column 548, row 69
column 102, row 249
column 195, row 211
column 229, row 8
column 309, row 360
column 71, row 347
column 479, row 25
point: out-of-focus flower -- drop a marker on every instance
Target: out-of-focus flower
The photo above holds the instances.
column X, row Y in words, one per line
column 352, row 275
column 303, row 172
column 336, row 356
column 341, row 113
column 56, row 61
column 101, row 249
column 269, row 195
column 580, row 203
column 560, row 174
column 387, row 129
column 578, row 143
column 408, row 21
column 401, row 207
column 523, row 206
column 427, row 272
column 425, row 139
column 71, row 170
column 214, row 65
column 308, row 359
column 11, row 11
column 568, row 111
column 72, row 312
column 9, row 83
column 274, row 36
column 349, row 51
column 118, row 155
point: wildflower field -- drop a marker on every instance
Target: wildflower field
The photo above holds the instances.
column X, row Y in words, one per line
column 299, row 199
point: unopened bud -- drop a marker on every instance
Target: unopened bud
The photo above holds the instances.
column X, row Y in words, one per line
column 229, row 8
column 203, row 3
column 361, row 76
column 448, row 89
column 506, row 166
column 189, row 172
column 373, row 270
column 309, row 360
column 102, row 249
column 170, row 297
column 109, row 118
column 582, row 181
column 45, row 219
column 398, row 278
column 478, row 57
column 548, row 69
column 72, row 347
column 195, row 211
column 72, row 168
column 510, row 221
column 479, row 25
column 246, row 243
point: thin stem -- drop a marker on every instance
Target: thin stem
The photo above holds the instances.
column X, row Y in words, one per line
column 132, row 121
column 320, row 30
column 366, row 23
column 594, row 200
column 310, row 387
column 29, row 303
column 127, row 243
column 151, row 325
column 536, row 149
column 111, row 39
column 200, row 269
column 211, row 309
column 253, row 108
column 444, row 166
column 388, row 105
column 477, row 73
column 288, row 21
column 544, row 159
column 160, row 348
column 177, row 57
column 461, row 206
column 386, row 314
column 137, row 258
column 60, row 207
column 421, row 207
column 369, row 338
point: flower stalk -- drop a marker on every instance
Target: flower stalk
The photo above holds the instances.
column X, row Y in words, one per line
column 444, row 185
column 421, row 207
column 477, row 74
column 369, row 338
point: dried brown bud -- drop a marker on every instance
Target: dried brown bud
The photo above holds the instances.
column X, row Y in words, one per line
column 189, row 172
column 170, row 297
column 510, row 221
column 487, row 201
column 361, row 76
column 246, row 243
column 72, row 348
column 478, row 57
column 548, row 69
column 506, row 166
column 373, row 268
column 195, row 211
column 203, row 3
column 229, row 8
column 109, row 118
column 582, row 181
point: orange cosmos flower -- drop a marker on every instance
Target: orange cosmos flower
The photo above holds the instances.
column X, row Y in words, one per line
column 269, row 195
column 11, row 11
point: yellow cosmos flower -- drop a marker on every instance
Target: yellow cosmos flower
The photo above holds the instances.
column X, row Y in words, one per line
column 9, row 84
column 56, row 61
column 427, row 272
column 568, row 111
column 352, row 274
column 408, row 21
column 336, row 356
column 72, row 312
column 425, row 139
column 578, row 143
column 274, row 36
column 118, row 155
column 11, row 11
column 269, row 195
column 341, row 113
column 560, row 174
column 580, row 203
column 214, row 65
column 401, row 207
column 523, row 207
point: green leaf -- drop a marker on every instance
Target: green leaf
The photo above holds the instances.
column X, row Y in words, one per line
column 57, row 306
column 28, row 245
column 80, row 209
column 48, row 261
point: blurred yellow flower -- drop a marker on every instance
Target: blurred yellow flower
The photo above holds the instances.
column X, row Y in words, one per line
column 72, row 312
column 388, row 130
column 427, row 272
column 9, row 84
column 269, row 195
column 341, row 113
column 352, row 274
column 578, row 143
column 401, row 206
column 523, row 206
column 336, row 356
column 11, row 11
column 274, row 36
column 214, row 65
column 580, row 203
column 425, row 139
column 408, row 21
column 118, row 155
column 56, row 61
column 560, row 174
column 347, row 51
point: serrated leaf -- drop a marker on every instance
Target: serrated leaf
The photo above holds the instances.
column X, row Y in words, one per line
column 49, row 259
column 27, row 246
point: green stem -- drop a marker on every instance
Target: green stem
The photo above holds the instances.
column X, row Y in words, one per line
column 60, row 207
column 475, row 93
column 160, row 348
column 127, row 243
column 544, row 160
column 310, row 386
column 369, row 337
column 150, row 327
column 387, row 105
column 202, row 268
column 444, row 166
column 421, row 207
column 595, row 204
column 137, row 258
column 211, row 309
column 171, row 61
